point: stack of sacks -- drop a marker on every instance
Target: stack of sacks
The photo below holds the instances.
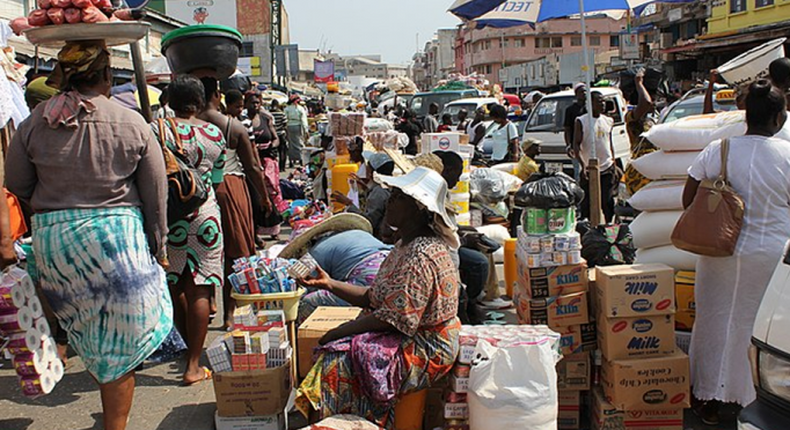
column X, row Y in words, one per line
column 661, row 202
column 35, row 356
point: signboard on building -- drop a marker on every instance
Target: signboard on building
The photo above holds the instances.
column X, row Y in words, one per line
column 221, row 12
column 286, row 60
column 629, row 46
column 250, row 66
column 324, row 71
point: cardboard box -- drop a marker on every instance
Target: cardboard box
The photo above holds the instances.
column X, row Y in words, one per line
column 687, row 306
column 443, row 142
column 574, row 372
column 604, row 416
column 458, row 384
column 578, row 338
column 456, row 411
column 555, row 312
column 633, row 291
column 544, row 282
column 623, row 338
column 643, row 384
column 569, row 413
column 315, row 326
column 271, row 422
column 253, row 393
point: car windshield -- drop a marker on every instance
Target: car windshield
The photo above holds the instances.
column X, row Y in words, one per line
column 455, row 108
column 549, row 115
column 693, row 107
column 421, row 103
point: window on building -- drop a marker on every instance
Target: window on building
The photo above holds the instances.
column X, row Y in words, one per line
column 737, row 6
column 576, row 41
column 556, row 42
column 614, row 40
column 488, row 45
column 520, row 43
column 246, row 50
column 489, row 69
column 763, row 3
column 595, row 40
column 543, row 42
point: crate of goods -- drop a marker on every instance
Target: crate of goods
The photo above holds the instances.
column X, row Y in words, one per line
column 576, row 339
column 569, row 410
column 574, row 372
column 347, row 124
column 686, row 304
column 656, row 383
column 432, row 142
column 635, row 291
column 635, row 337
column 555, row 312
column 322, row 320
column 604, row 416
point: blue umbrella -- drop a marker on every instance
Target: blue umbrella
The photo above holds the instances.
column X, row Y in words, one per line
column 471, row 9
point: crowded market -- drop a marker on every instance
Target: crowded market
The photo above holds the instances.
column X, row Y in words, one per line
column 596, row 254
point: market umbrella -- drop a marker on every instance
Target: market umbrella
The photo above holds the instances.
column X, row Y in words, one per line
column 471, row 9
column 513, row 13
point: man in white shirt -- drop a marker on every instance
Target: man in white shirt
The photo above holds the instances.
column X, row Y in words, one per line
column 601, row 137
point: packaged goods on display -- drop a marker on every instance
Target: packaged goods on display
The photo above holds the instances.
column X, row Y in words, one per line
column 576, row 339
column 347, row 124
column 555, row 312
column 660, row 383
column 569, row 411
column 653, row 229
column 538, row 221
column 545, row 282
column 574, row 372
column 665, row 165
column 659, row 196
column 256, row 335
column 432, row 142
column 635, row 337
column 633, row 291
column 604, row 416
column 669, row 255
column 255, row 275
column 315, row 327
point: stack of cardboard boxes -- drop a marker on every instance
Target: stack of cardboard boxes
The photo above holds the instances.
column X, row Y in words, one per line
column 252, row 371
column 322, row 320
column 551, row 292
column 644, row 377
column 456, row 406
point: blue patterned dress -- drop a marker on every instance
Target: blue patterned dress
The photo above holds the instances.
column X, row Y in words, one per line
column 196, row 241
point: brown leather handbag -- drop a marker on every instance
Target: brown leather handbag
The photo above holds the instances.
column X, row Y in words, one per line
column 712, row 224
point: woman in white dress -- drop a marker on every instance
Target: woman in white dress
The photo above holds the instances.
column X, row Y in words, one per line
column 729, row 290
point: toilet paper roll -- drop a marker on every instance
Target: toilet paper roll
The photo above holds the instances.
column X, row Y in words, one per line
column 56, row 369
column 20, row 343
column 25, row 318
column 36, row 386
column 18, row 296
column 36, row 310
column 29, row 364
column 9, row 324
column 49, row 348
column 42, row 325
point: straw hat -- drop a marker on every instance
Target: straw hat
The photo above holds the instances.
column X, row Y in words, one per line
column 430, row 161
column 429, row 189
column 337, row 223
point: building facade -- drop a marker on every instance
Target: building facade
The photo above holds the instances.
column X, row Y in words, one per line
column 488, row 50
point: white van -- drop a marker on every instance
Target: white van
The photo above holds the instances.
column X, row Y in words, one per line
column 547, row 120
column 770, row 356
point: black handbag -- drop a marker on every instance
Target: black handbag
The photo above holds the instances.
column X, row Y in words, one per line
column 186, row 191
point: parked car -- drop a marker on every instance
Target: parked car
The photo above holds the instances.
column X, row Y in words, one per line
column 770, row 356
column 546, row 124
column 470, row 104
column 421, row 101
column 693, row 103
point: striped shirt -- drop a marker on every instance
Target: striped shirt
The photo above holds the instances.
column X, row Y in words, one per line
column 280, row 121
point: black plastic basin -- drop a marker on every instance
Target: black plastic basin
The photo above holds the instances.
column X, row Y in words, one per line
column 198, row 47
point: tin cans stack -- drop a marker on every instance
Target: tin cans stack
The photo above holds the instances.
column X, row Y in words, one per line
column 22, row 322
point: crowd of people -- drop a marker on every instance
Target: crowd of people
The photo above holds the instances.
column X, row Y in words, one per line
column 126, row 276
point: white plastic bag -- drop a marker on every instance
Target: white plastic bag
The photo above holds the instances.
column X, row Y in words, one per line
column 659, row 196
column 653, row 229
column 514, row 387
column 665, row 165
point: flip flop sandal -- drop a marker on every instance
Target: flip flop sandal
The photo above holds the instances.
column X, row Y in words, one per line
column 496, row 304
column 495, row 315
column 207, row 374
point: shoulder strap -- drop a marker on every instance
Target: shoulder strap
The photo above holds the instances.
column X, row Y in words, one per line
column 725, row 152
column 162, row 133
column 227, row 130
column 176, row 136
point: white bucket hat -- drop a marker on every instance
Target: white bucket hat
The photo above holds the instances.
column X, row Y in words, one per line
column 429, row 189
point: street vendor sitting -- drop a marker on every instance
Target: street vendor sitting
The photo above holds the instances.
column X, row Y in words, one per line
column 408, row 338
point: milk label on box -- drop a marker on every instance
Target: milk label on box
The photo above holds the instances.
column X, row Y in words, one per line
column 638, row 290
column 636, row 337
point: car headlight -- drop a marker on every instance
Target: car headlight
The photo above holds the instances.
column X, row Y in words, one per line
column 773, row 371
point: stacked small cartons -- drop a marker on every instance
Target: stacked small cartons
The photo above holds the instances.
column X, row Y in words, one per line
column 456, row 407
column 252, row 376
column 642, row 369
column 551, row 292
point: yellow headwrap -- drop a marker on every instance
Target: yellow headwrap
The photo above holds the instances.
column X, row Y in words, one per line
column 78, row 58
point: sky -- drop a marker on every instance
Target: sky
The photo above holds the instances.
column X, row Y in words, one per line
column 359, row 27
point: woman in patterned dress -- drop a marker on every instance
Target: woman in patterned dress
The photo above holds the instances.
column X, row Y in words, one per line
column 194, row 245
column 408, row 337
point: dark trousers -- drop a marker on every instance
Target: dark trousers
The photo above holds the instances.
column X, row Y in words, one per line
column 282, row 150
column 474, row 274
column 608, row 190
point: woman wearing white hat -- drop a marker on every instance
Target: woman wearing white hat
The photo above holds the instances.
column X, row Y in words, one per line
column 408, row 338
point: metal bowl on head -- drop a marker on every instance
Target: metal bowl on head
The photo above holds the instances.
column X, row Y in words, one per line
column 112, row 33
column 201, row 48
